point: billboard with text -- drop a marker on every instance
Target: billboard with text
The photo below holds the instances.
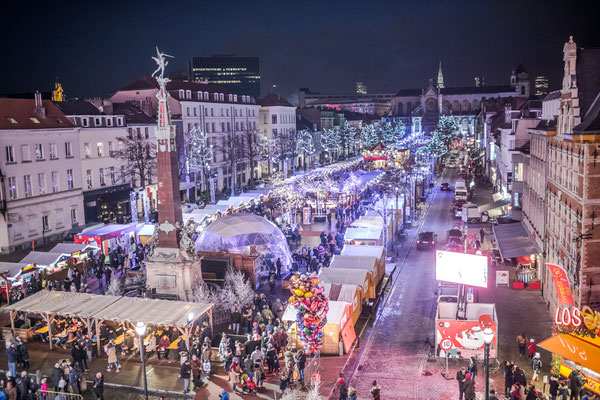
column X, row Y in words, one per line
column 461, row 268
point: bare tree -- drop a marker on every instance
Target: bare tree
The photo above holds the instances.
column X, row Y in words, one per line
column 139, row 158
column 198, row 154
column 251, row 149
column 306, row 145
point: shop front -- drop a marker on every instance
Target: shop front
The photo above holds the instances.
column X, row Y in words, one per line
column 107, row 204
column 108, row 237
column 517, row 249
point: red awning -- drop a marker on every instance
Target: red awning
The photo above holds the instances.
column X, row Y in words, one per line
column 524, row 260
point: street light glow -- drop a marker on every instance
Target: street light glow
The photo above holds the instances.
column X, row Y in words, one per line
column 140, row 328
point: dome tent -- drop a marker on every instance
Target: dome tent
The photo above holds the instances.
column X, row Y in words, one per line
column 247, row 234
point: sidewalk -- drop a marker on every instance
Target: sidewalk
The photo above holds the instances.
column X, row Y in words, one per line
column 519, row 311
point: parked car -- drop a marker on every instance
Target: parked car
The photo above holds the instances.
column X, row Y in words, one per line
column 454, row 240
column 426, row 240
column 445, row 186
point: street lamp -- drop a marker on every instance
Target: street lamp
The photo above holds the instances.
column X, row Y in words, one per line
column 140, row 329
column 488, row 336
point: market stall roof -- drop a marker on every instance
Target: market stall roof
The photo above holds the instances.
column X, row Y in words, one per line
column 342, row 292
column 152, row 311
column 360, row 250
column 72, row 248
column 494, row 205
column 12, row 269
column 42, row 258
column 216, row 207
column 111, row 308
column 356, row 277
column 108, row 229
column 72, row 304
column 513, row 240
column 334, row 315
column 368, row 222
column 363, row 233
column 574, row 349
column 355, row 262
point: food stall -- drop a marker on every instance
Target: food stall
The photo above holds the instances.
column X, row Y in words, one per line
column 372, row 251
column 364, row 236
column 145, row 233
column 359, row 263
column 577, row 342
column 339, row 327
column 9, row 271
column 358, row 277
column 74, row 250
column 351, row 294
column 109, row 236
column 463, row 338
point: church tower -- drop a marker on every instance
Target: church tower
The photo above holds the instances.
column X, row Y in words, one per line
column 440, row 82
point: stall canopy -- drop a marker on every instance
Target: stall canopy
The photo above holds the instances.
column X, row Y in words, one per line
column 513, row 240
column 43, row 258
column 574, row 349
column 494, row 205
column 72, row 248
column 351, row 294
column 358, row 277
column 12, row 269
column 362, row 233
column 357, row 250
column 359, row 263
column 70, row 304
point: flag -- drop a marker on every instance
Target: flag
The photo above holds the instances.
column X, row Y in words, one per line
column 565, row 297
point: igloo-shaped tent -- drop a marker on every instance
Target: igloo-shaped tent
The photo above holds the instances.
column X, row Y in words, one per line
column 247, row 234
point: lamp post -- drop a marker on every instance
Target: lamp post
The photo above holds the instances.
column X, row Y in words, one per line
column 488, row 336
column 140, row 329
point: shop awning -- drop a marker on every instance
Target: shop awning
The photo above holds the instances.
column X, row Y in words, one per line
column 513, row 240
column 494, row 205
column 574, row 349
column 43, row 258
column 524, row 260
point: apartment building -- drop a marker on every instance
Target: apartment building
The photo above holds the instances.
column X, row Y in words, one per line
column 41, row 185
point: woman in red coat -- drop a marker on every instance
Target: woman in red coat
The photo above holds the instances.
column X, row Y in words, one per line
column 531, row 348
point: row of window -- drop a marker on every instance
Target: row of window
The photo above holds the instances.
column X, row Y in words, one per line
column 187, row 94
column 33, row 224
column 39, row 152
column 210, row 112
column 107, row 120
column 283, row 118
column 102, row 175
column 27, row 186
column 212, row 127
column 87, row 149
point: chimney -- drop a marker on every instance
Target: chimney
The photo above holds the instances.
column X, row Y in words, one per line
column 39, row 110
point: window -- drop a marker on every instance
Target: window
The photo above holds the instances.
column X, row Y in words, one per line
column 32, row 222
column 181, row 93
column 216, row 96
column 11, row 120
column 42, row 182
column 59, row 218
column 85, row 122
column 274, row 118
column 45, row 223
column 274, row 133
column 54, row 177
column 101, row 176
column 12, row 187
column 27, row 185
column 188, row 94
column 70, row 179
column 212, row 112
column 195, row 112
column 68, row 150
column 16, row 228
column 139, row 133
column 86, row 150
column 89, row 178
column 52, row 151
column 25, row 153
column 34, row 120
column 100, row 149
column 113, row 179
column 187, row 111
column 109, row 121
column 123, row 173
column 97, row 121
column 10, row 154
column 110, row 148
column 120, row 121
column 73, row 216
column 146, row 133
column 221, row 97
column 39, row 152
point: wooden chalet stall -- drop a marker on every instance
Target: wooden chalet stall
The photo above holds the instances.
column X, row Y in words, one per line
column 351, row 294
column 368, row 251
column 360, row 263
column 358, row 277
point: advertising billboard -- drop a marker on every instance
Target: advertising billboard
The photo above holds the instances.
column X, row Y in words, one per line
column 462, row 268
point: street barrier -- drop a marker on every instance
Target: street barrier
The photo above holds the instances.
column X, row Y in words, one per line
column 50, row 395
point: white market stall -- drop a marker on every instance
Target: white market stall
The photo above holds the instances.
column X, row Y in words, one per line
column 366, row 263
column 364, row 236
column 358, row 277
column 351, row 294
column 369, row 251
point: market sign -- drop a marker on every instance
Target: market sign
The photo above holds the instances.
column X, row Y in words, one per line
column 586, row 319
column 563, row 288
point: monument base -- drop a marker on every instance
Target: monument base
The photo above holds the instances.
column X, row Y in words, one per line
column 172, row 273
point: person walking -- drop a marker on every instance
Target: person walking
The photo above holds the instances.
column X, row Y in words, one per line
column 12, row 356
column 473, row 368
column 469, row 387
column 111, row 351
column 536, row 365
column 300, row 359
column 236, row 319
column 508, row 377
column 522, row 342
column 376, row 391
column 343, row 388
column 553, row 390
column 184, row 373
column 460, row 378
column 99, row 386
column 531, row 348
column 283, row 380
column 482, row 235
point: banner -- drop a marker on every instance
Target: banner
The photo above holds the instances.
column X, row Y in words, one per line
column 465, row 337
column 563, row 289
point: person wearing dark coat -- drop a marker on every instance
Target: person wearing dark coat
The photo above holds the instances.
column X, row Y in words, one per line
column 23, row 354
column 553, row 390
column 508, row 377
column 57, row 373
column 78, row 355
column 469, row 387
column 343, row 388
column 576, row 382
column 460, row 378
column 99, row 386
column 519, row 376
column 22, row 385
column 185, row 373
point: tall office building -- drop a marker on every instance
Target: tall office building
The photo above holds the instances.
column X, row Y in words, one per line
column 541, row 86
column 361, row 88
column 240, row 75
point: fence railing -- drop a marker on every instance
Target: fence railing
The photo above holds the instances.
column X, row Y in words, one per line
column 50, row 395
column 312, row 368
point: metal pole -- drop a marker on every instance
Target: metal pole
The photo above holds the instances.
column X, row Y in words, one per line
column 142, row 355
column 487, row 371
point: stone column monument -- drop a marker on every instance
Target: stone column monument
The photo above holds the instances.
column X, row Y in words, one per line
column 171, row 271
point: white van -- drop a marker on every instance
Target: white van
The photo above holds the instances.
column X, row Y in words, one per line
column 471, row 214
column 460, row 193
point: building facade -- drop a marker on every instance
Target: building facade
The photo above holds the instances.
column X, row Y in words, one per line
column 239, row 75
column 41, row 175
column 277, row 122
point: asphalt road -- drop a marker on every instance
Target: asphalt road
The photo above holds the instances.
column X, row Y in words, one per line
column 397, row 349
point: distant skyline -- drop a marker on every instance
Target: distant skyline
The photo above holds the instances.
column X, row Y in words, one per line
column 96, row 48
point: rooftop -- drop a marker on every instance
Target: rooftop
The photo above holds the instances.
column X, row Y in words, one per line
column 273, row 100
column 133, row 115
column 78, row 108
column 20, row 114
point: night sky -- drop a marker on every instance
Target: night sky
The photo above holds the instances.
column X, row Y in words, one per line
column 96, row 47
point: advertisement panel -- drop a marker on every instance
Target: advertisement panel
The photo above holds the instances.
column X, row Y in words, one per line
column 462, row 268
column 563, row 289
column 463, row 339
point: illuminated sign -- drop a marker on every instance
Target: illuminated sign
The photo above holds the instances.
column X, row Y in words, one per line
column 462, row 268
column 574, row 317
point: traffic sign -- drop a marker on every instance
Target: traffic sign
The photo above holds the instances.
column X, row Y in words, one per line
column 471, row 237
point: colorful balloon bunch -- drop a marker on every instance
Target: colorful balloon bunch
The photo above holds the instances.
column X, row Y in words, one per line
column 312, row 307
